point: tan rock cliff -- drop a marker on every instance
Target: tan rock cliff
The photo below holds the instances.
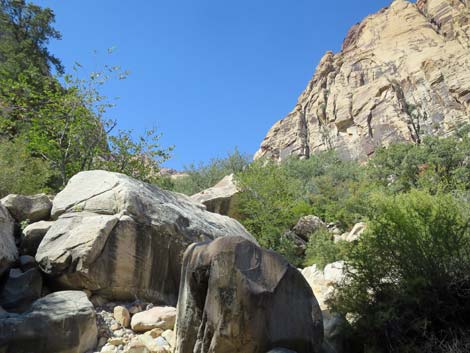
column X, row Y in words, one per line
column 402, row 73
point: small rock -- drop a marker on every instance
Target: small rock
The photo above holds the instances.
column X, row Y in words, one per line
column 136, row 308
column 169, row 336
column 157, row 317
column 116, row 341
column 97, row 300
column 115, row 327
column 156, row 332
column 122, row 316
column 108, row 348
column 32, row 237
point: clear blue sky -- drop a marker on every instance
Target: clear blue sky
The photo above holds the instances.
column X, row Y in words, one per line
column 210, row 74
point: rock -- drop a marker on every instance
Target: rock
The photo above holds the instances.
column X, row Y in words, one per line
column 157, row 317
column 237, row 297
column 220, row 198
column 122, row 316
column 60, row 322
column 169, row 336
column 32, row 237
column 336, row 339
column 406, row 65
column 154, row 345
column 116, row 341
column 27, row 262
column 354, row 234
column 122, row 238
column 28, row 208
column 299, row 244
column 322, row 282
column 21, row 290
column 308, row 225
column 8, row 251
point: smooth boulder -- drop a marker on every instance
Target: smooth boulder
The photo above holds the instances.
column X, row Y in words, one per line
column 8, row 250
column 124, row 239
column 157, row 317
column 28, row 208
column 238, row 297
column 62, row 322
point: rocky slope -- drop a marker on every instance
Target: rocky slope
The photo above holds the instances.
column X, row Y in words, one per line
column 402, row 73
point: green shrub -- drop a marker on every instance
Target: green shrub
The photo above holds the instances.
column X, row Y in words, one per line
column 322, row 250
column 20, row 173
column 411, row 277
column 204, row 176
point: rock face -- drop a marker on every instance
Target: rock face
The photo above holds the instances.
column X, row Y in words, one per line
column 60, row 322
column 8, row 251
column 122, row 239
column 401, row 74
column 32, row 208
column 237, row 297
column 219, row 198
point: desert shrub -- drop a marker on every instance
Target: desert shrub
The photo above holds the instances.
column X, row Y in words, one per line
column 204, row 176
column 322, row 250
column 20, row 173
column 411, row 277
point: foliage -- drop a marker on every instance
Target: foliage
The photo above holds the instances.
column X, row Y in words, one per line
column 204, row 176
column 19, row 172
column 270, row 202
column 139, row 158
column 411, row 276
column 322, row 250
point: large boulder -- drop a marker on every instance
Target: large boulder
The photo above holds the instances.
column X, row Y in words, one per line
column 28, row 208
column 308, row 225
column 62, row 322
column 20, row 290
column 32, row 237
column 237, row 297
column 156, row 317
column 8, row 250
column 121, row 238
column 220, row 198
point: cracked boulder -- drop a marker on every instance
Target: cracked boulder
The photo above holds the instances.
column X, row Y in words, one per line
column 28, row 208
column 238, row 297
column 60, row 322
column 124, row 239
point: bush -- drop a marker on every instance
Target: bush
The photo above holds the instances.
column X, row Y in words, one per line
column 322, row 250
column 20, row 173
column 411, row 277
column 204, row 176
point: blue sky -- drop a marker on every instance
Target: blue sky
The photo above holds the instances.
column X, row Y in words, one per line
column 210, row 74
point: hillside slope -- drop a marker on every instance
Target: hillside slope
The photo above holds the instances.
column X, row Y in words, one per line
column 402, row 73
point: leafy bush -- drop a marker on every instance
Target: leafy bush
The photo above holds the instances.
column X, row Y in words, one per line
column 19, row 172
column 411, row 277
column 322, row 250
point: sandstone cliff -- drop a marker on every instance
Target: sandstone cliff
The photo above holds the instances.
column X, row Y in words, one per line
column 402, row 73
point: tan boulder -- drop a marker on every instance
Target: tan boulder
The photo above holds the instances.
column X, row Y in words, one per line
column 155, row 318
column 122, row 316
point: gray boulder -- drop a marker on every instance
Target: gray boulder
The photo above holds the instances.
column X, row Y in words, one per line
column 33, row 208
column 220, row 198
column 121, row 239
column 308, row 225
column 237, row 297
column 8, row 250
column 32, row 237
column 62, row 322
column 21, row 290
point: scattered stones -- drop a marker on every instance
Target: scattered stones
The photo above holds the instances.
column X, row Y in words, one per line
column 109, row 227
column 32, row 237
column 28, row 208
column 236, row 296
column 122, row 316
column 158, row 317
column 8, row 250
column 60, row 322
